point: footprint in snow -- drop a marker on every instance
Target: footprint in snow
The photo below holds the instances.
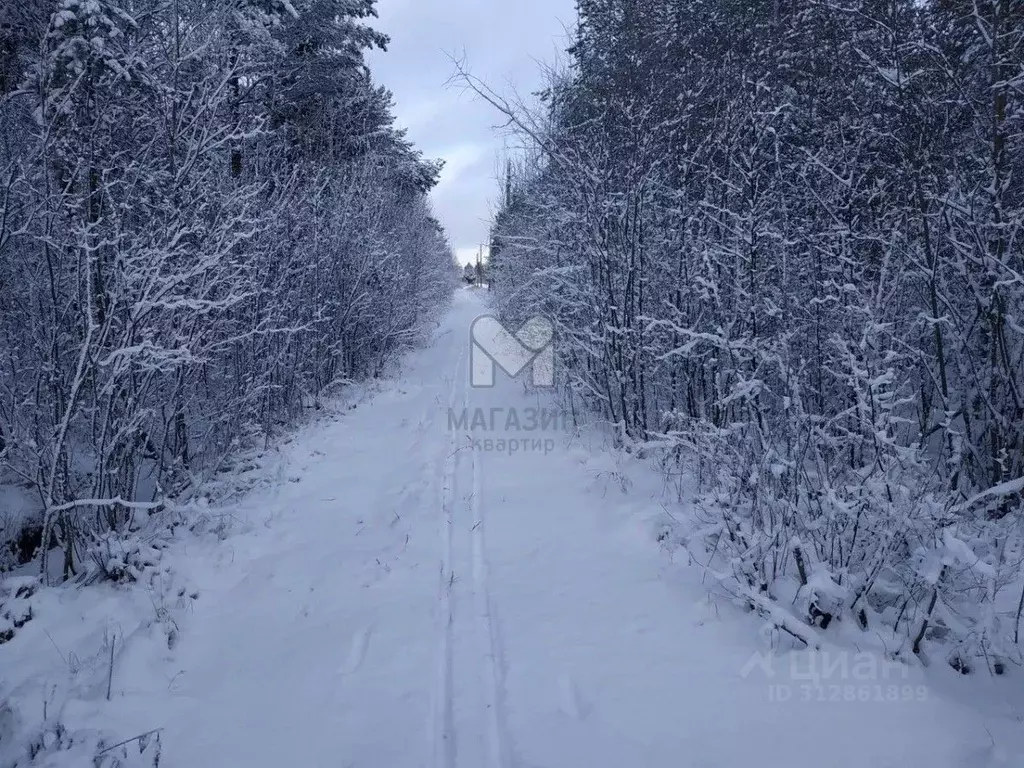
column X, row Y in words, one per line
column 357, row 651
column 569, row 698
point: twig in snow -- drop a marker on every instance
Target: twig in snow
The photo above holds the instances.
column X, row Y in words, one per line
column 128, row 741
column 110, row 668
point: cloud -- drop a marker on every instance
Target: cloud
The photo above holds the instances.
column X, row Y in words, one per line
column 502, row 42
column 420, row 114
column 459, row 160
column 468, row 255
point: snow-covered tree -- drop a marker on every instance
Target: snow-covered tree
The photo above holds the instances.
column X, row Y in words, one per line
column 208, row 222
column 782, row 245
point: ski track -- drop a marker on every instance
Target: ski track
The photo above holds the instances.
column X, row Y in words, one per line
column 402, row 600
column 468, row 728
column 443, row 734
column 487, row 628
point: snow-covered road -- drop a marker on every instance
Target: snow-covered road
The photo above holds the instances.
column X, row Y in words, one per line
column 407, row 600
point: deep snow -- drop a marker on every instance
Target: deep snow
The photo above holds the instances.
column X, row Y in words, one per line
column 397, row 597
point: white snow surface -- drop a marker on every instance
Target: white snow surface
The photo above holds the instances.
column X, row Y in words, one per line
column 396, row 598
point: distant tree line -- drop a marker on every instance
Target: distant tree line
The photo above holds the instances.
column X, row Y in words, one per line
column 208, row 220
column 782, row 242
column 475, row 273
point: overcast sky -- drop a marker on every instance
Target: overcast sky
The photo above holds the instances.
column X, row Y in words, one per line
column 503, row 41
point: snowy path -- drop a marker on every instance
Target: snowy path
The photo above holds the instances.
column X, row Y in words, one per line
column 411, row 602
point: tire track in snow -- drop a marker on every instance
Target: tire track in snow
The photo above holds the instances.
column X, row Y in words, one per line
column 442, row 732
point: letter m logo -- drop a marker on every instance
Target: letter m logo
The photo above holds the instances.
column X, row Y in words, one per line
column 493, row 345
